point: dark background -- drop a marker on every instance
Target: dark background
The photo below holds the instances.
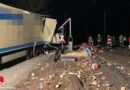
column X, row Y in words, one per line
column 87, row 15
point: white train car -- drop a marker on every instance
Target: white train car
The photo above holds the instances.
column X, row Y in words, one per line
column 23, row 33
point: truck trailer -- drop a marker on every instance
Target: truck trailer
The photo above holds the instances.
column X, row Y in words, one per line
column 23, row 33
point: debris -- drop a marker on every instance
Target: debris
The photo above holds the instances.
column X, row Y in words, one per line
column 41, row 85
column 79, row 72
column 94, row 83
column 98, row 86
column 50, row 77
column 100, row 51
column 94, row 78
column 115, row 64
column 78, row 75
column 58, row 85
column 117, row 67
column 108, row 88
column 109, row 64
column 99, row 73
column 42, row 69
column 93, row 57
column 1, row 79
column 122, row 67
column 41, row 79
column 68, row 58
column 83, row 69
column 33, row 74
column 34, row 78
column 103, row 78
column 107, row 84
column 63, row 73
column 46, row 52
column 71, row 73
column 83, row 53
column 27, row 83
column 39, row 64
column 2, row 84
column 129, row 74
column 61, row 76
column 123, row 88
column 95, row 66
column 88, row 52
column 95, row 49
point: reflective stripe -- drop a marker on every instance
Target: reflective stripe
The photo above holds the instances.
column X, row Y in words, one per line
column 109, row 40
column 129, row 39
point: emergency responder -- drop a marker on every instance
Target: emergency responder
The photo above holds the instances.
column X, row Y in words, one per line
column 109, row 42
column 99, row 40
column 129, row 42
column 121, row 40
column 125, row 41
column 90, row 40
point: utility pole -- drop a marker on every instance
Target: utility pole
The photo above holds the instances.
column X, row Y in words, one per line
column 70, row 40
column 105, row 28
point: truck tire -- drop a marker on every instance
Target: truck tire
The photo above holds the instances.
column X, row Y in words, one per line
column 29, row 53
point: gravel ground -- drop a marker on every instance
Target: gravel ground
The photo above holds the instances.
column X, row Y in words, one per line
column 114, row 72
column 15, row 74
column 115, row 65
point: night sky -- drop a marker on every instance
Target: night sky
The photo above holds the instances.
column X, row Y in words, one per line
column 87, row 15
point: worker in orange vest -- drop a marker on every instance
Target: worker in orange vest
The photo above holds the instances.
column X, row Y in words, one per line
column 109, row 42
column 129, row 42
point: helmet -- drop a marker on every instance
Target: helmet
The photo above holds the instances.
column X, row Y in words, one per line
column 99, row 35
column 121, row 35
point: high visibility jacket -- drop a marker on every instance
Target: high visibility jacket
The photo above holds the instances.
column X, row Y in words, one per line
column 109, row 40
column 124, row 38
column 98, row 39
column 121, row 39
column 129, row 39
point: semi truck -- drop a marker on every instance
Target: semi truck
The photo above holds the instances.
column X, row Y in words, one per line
column 23, row 33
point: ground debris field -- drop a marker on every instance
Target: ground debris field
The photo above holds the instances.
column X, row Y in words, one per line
column 112, row 73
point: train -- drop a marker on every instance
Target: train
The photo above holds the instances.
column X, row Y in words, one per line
column 23, row 33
